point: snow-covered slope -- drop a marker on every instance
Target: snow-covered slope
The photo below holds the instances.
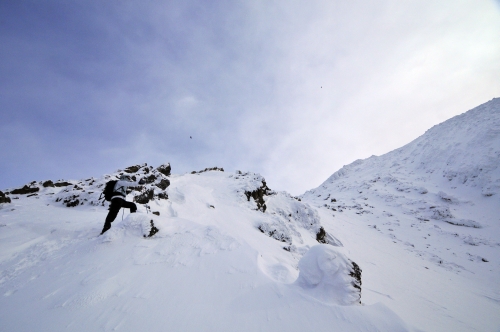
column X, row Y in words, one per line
column 230, row 255
column 414, row 235
column 425, row 219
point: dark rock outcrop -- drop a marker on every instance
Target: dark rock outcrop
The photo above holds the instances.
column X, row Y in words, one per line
column 63, row 184
column 164, row 169
column 258, row 196
column 162, row 196
column 152, row 230
column 145, row 197
column 163, row 184
column 48, row 183
column 132, row 169
column 149, row 179
column 70, row 201
column 356, row 275
column 25, row 190
column 209, row 169
column 323, row 237
column 320, row 236
column 4, row 198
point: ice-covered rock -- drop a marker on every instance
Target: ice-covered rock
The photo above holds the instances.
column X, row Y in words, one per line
column 328, row 275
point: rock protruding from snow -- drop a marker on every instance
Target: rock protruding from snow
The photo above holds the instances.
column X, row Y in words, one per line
column 165, row 169
column 323, row 237
column 88, row 192
column 133, row 169
column 48, row 183
column 208, row 169
column 152, row 229
column 258, row 196
column 4, row 198
column 328, row 275
column 27, row 189
column 288, row 213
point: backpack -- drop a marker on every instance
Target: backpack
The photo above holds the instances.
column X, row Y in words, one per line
column 108, row 190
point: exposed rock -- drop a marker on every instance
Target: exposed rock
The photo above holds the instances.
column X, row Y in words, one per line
column 149, row 179
column 356, row 274
column 464, row 222
column 162, row 195
column 145, row 197
column 258, row 196
column 132, row 169
column 164, row 183
column 209, row 169
column 48, row 183
column 70, row 201
column 165, row 169
column 4, row 198
column 275, row 233
column 62, row 184
column 323, row 237
column 25, row 190
column 153, row 229
column 320, row 236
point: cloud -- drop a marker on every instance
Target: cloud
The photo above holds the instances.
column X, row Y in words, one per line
column 292, row 90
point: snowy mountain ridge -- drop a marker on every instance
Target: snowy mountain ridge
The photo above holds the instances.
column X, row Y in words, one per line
column 463, row 149
column 451, row 162
column 460, row 157
column 436, row 199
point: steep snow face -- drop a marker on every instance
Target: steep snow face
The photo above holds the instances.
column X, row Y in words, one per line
column 436, row 199
column 226, row 257
column 464, row 150
column 442, row 175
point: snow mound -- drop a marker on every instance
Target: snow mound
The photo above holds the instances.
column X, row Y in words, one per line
column 328, row 275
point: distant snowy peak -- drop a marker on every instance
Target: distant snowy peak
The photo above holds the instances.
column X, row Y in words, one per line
column 464, row 149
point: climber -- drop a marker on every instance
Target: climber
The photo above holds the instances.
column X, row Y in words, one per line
column 118, row 200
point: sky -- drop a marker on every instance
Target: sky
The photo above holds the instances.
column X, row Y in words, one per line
column 292, row 90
